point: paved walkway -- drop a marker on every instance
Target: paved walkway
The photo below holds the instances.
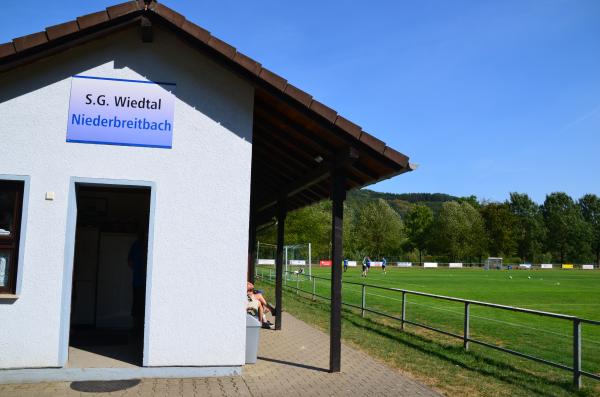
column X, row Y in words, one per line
column 291, row 363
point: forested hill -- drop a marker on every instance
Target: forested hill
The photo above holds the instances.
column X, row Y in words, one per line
column 401, row 203
column 438, row 227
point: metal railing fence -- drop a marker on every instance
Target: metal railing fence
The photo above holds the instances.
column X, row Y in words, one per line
column 575, row 369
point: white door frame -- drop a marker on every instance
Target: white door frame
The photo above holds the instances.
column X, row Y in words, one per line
column 65, row 318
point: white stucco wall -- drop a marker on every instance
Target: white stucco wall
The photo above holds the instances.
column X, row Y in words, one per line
column 196, row 315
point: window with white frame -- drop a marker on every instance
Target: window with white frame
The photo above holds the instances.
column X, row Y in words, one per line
column 11, row 204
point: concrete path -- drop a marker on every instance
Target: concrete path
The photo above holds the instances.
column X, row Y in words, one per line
column 292, row 362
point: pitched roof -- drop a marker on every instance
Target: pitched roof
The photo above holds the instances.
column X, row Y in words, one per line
column 272, row 89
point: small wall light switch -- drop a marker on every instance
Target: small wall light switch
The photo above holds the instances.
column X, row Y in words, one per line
column 49, row 195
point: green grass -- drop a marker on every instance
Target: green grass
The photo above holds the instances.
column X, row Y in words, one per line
column 568, row 292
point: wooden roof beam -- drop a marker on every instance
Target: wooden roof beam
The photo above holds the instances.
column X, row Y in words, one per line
column 343, row 158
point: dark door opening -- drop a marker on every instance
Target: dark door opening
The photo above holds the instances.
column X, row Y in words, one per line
column 109, row 276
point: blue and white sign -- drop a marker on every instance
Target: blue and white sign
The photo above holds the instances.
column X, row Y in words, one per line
column 121, row 112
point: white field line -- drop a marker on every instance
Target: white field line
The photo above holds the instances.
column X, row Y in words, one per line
column 488, row 319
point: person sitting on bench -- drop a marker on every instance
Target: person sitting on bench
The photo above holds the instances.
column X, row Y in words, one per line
column 258, row 305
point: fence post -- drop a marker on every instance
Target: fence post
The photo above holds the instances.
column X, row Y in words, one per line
column 577, row 353
column 466, row 326
column 270, row 275
column 297, row 283
column 314, row 287
column 363, row 302
column 403, row 310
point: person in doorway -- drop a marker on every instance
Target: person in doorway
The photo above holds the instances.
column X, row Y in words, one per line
column 345, row 264
column 383, row 264
column 137, row 262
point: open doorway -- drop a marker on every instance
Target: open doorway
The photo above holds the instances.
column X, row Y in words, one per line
column 109, row 276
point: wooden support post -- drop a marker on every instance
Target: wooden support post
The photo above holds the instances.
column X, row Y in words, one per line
column 281, row 213
column 337, row 227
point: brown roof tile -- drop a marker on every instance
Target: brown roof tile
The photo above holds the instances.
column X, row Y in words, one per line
column 122, row 9
column 395, row 156
column 31, row 40
column 222, row 47
column 172, row 16
column 370, row 140
column 273, row 79
column 7, row 49
column 298, row 95
column 200, row 34
column 348, row 126
column 141, row 4
column 90, row 20
column 247, row 63
column 323, row 110
column 57, row 31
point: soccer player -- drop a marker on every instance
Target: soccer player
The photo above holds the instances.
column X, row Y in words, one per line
column 383, row 264
column 345, row 264
column 366, row 266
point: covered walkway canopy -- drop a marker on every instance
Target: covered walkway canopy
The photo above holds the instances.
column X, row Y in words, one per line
column 303, row 151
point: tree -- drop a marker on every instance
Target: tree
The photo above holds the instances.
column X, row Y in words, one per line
column 378, row 229
column 418, row 227
column 472, row 200
column 499, row 224
column 590, row 210
column 459, row 231
column 476, row 242
column 568, row 235
column 529, row 229
column 351, row 247
column 310, row 225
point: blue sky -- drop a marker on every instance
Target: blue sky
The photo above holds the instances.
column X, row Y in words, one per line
column 488, row 97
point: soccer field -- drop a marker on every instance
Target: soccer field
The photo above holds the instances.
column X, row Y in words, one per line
column 572, row 292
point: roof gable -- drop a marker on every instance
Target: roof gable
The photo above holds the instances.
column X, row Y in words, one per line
column 55, row 38
column 296, row 139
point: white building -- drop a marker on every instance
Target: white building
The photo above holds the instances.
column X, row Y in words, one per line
column 84, row 174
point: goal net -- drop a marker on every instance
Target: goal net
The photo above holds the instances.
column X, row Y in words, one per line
column 296, row 257
column 493, row 263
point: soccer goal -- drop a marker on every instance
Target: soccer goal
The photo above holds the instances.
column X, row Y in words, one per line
column 493, row 263
column 296, row 257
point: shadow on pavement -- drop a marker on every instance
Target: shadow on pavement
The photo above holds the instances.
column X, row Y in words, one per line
column 104, row 386
column 305, row 366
